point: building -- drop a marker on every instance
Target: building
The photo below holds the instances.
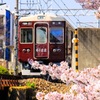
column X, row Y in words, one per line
column 7, row 37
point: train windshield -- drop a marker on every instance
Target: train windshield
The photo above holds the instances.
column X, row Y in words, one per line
column 41, row 36
column 26, row 35
column 56, row 35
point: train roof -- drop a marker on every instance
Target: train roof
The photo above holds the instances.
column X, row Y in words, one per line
column 46, row 17
column 42, row 17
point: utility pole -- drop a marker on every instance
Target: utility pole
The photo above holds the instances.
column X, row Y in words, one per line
column 16, row 38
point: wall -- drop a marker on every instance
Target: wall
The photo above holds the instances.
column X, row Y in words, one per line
column 88, row 48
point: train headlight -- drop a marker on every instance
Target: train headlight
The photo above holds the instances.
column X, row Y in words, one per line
column 59, row 23
column 53, row 23
column 59, row 50
column 54, row 50
column 23, row 50
column 28, row 50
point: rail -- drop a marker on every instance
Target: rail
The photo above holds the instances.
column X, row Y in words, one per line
column 8, row 80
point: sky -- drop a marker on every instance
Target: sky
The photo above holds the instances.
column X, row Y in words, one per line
column 76, row 21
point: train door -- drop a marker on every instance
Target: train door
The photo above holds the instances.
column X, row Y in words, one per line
column 41, row 40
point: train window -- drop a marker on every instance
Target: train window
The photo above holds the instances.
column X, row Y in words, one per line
column 41, row 36
column 26, row 35
column 56, row 35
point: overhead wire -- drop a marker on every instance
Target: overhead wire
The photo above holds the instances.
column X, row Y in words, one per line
column 83, row 8
column 72, row 13
column 40, row 8
column 64, row 12
column 48, row 6
column 45, row 3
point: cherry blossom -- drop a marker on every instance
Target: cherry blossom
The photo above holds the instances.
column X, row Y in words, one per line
column 91, row 4
column 40, row 95
column 68, row 96
column 86, row 83
column 53, row 96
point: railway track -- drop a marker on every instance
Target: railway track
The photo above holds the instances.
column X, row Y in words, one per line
column 12, row 80
column 8, row 80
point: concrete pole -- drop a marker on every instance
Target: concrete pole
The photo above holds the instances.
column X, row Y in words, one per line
column 16, row 38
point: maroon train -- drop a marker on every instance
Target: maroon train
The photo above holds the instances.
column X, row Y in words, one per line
column 43, row 38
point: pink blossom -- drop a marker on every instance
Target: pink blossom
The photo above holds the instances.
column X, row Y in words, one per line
column 80, row 96
column 53, row 96
column 68, row 96
column 40, row 95
column 86, row 82
column 89, row 4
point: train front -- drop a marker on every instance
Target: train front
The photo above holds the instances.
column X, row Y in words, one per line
column 41, row 38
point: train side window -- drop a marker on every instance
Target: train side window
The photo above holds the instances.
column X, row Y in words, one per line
column 26, row 35
column 41, row 36
column 56, row 35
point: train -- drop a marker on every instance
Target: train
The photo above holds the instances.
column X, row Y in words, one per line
column 43, row 38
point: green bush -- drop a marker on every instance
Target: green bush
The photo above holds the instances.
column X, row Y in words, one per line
column 32, row 85
column 3, row 70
